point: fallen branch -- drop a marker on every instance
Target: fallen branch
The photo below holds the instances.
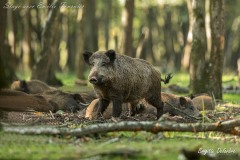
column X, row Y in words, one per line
column 153, row 126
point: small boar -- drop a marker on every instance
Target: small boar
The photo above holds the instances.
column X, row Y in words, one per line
column 89, row 96
column 31, row 87
column 52, row 100
column 182, row 103
column 122, row 79
column 64, row 101
column 203, row 101
column 91, row 111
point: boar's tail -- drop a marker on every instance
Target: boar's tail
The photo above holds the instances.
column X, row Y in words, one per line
column 167, row 78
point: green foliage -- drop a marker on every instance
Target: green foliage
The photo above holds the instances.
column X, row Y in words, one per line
column 231, row 98
column 180, row 78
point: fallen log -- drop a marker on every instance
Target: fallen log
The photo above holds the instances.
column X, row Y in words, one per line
column 229, row 127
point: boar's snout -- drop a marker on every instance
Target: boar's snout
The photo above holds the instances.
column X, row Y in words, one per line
column 96, row 80
column 93, row 80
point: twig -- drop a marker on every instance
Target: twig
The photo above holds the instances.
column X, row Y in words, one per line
column 51, row 114
column 110, row 141
column 130, row 117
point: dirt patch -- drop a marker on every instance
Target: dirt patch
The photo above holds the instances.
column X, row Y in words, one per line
column 224, row 112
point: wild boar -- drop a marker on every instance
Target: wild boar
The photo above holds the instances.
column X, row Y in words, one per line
column 173, row 104
column 31, row 87
column 203, row 102
column 64, row 101
column 120, row 79
column 11, row 100
column 52, row 100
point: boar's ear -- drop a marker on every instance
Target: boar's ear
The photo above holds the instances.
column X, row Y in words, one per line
column 86, row 56
column 78, row 97
column 182, row 101
column 23, row 83
column 111, row 55
column 23, row 86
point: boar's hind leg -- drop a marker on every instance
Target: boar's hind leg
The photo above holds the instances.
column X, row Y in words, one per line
column 103, row 103
column 156, row 102
column 117, row 108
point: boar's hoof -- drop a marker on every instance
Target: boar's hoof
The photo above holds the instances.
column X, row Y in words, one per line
column 116, row 119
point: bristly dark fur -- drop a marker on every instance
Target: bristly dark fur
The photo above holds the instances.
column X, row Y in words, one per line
column 119, row 79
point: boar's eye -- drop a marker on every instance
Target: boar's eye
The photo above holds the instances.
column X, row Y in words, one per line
column 104, row 64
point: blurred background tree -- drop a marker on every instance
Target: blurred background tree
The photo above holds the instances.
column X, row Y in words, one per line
column 160, row 31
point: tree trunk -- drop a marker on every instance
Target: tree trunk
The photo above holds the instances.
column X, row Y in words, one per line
column 6, row 57
column 238, row 67
column 141, row 43
column 90, row 26
column 87, row 34
column 45, row 67
column 187, row 48
column 71, row 41
column 28, row 53
column 198, row 76
column 80, row 64
column 217, row 49
column 3, row 23
column 107, row 18
column 127, row 41
column 151, row 17
column 168, row 35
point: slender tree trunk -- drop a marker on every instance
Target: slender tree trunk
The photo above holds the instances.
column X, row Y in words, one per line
column 127, row 41
column 150, row 17
column 28, row 53
column 238, row 67
column 107, row 18
column 168, row 35
column 71, row 47
column 11, row 33
column 217, row 49
column 90, row 26
column 80, row 64
column 198, row 76
column 87, row 34
column 71, row 41
column 187, row 48
column 45, row 68
column 141, row 43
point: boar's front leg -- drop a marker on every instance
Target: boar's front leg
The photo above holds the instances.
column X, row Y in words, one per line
column 103, row 103
column 117, row 108
column 156, row 101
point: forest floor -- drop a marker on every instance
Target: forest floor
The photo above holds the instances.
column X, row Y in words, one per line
column 119, row 145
